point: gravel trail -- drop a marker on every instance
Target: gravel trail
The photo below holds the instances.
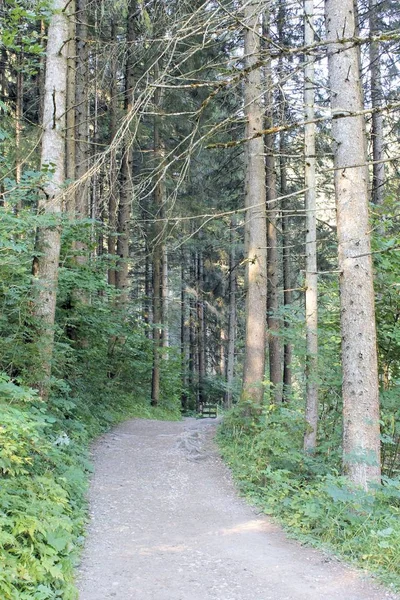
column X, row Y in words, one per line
column 167, row 524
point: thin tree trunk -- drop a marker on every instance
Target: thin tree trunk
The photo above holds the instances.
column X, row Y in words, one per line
column 201, row 331
column 286, row 260
column 157, row 316
column 42, row 69
column 81, row 121
column 184, row 335
column 220, row 350
column 274, row 342
column 45, row 267
column 113, row 195
column 193, row 355
column 71, row 99
column 19, row 106
column 311, row 283
column 361, row 435
column 126, row 194
column 147, row 285
column 230, row 368
column 165, row 294
column 159, row 255
column 287, row 275
column 378, row 182
column 256, row 264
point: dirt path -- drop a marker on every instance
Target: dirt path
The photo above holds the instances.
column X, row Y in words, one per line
column 168, row 525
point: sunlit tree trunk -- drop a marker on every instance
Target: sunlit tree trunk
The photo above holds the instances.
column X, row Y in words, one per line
column 45, row 267
column 311, row 283
column 256, row 264
column 361, row 435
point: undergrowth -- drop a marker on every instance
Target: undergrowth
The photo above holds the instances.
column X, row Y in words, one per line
column 44, row 470
column 308, row 495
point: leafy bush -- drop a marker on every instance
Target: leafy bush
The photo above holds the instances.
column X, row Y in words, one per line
column 43, row 474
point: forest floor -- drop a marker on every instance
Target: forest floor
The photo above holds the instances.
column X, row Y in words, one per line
column 167, row 524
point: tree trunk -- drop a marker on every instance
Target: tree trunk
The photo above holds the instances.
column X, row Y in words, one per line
column 113, row 194
column 193, row 354
column 274, row 342
column 164, row 296
column 184, row 335
column 160, row 265
column 45, row 267
column 286, row 260
column 126, row 195
column 230, row 367
column 256, row 264
column 19, row 109
column 81, row 121
column 311, row 283
column 361, row 436
column 157, row 316
column 147, row 283
column 287, row 276
column 378, row 182
column 71, row 99
column 201, row 329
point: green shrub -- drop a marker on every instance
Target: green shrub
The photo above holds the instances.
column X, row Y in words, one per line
column 308, row 495
column 44, row 470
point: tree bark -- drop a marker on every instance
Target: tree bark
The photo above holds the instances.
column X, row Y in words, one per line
column 71, row 100
column 113, row 194
column 311, row 283
column 160, row 265
column 274, row 341
column 81, row 121
column 157, row 316
column 184, row 335
column 287, row 276
column 285, row 204
column 126, row 194
column 378, row 181
column 361, row 436
column 19, row 110
column 164, row 296
column 230, row 367
column 256, row 264
column 201, row 328
column 45, row 267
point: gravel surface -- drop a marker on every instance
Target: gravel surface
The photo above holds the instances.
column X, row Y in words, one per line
column 167, row 524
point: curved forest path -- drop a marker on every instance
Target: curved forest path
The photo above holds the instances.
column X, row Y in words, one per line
column 167, row 524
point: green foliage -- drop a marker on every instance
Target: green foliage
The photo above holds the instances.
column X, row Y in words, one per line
column 306, row 493
column 43, row 472
column 101, row 376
